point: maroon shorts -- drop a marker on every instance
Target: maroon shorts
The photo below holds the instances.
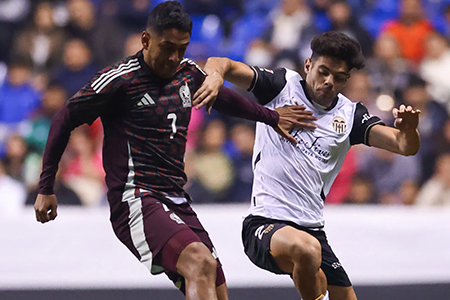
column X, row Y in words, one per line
column 158, row 231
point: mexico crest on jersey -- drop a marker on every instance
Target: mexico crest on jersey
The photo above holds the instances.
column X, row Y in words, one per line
column 185, row 95
column 339, row 125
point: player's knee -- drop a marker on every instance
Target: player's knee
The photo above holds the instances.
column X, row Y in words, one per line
column 307, row 252
column 197, row 260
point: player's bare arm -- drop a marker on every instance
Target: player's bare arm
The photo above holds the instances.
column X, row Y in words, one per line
column 45, row 208
column 218, row 70
column 404, row 139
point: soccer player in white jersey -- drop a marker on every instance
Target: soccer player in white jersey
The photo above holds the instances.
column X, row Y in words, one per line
column 283, row 231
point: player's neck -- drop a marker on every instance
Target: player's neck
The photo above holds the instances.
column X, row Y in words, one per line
column 320, row 104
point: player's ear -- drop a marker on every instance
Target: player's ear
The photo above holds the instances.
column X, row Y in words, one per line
column 307, row 67
column 145, row 39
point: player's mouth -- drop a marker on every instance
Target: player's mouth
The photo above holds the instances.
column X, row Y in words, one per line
column 324, row 91
column 170, row 67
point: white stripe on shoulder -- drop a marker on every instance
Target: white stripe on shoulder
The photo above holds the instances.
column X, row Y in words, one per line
column 111, row 78
column 190, row 61
column 105, row 76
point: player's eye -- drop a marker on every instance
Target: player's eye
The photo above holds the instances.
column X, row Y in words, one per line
column 340, row 78
column 323, row 72
column 182, row 50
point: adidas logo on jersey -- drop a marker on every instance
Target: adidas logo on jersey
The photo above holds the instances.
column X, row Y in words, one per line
column 146, row 100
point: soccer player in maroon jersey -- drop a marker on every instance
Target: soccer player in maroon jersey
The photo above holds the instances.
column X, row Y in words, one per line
column 144, row 103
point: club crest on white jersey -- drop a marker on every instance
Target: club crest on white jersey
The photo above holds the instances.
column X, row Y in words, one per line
column 339, row 125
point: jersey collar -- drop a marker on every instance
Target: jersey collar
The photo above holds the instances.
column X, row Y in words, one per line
column 315, row 104
column 144, row 65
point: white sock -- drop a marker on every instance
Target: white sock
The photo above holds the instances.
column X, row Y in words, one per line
column 324, row 297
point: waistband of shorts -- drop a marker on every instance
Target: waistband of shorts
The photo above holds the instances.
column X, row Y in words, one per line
column 251, row 218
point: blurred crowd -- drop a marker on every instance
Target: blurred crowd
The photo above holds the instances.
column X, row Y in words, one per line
column 50, row 49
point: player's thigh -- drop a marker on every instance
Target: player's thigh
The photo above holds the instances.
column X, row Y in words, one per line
column 222, row 292
column 290, row 245
column 179, row 242
column 147, row 228
column 341, row 292
column 269, row 253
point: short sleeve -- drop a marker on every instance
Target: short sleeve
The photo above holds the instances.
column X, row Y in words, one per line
column 267, row 84
column 362, row 124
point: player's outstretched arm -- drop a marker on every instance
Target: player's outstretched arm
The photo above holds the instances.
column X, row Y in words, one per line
column 283, row 119
column 45, row 208
column 218, row 70
column 404, row 139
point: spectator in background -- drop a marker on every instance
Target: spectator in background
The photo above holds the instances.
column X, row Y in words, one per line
column 53, row 100
column 18, row 98
column 410, row 30
column 97, row 30
column 359, row 88
column 16, row 151
column 361, row 191
column 12, row 14
column 432, row 119
column 387, row 69
column 212, row 171
column 13, row 194
column 436, row 191
column 243, row 139
column 77, row 68
column 227, row 10
column 66, row 196
column 435, row 69
column 84, row 172
column 342, row 19
column 391, row 175
column 42, row 41
column 291, row 29
column 342, row 185
column 133, row 14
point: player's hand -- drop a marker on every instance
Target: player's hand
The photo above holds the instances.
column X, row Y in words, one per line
column 406, row 118
column 208, row 91
column 45, row 208
column 294, row 116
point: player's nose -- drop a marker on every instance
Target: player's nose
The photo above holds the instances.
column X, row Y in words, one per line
column 175, row 57
column 329, row 81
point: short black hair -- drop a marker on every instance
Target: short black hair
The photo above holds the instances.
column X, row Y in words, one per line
column 168, row 15
column 340, row 46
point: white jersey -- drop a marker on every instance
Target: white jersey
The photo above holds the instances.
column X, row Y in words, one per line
column 291, row 182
